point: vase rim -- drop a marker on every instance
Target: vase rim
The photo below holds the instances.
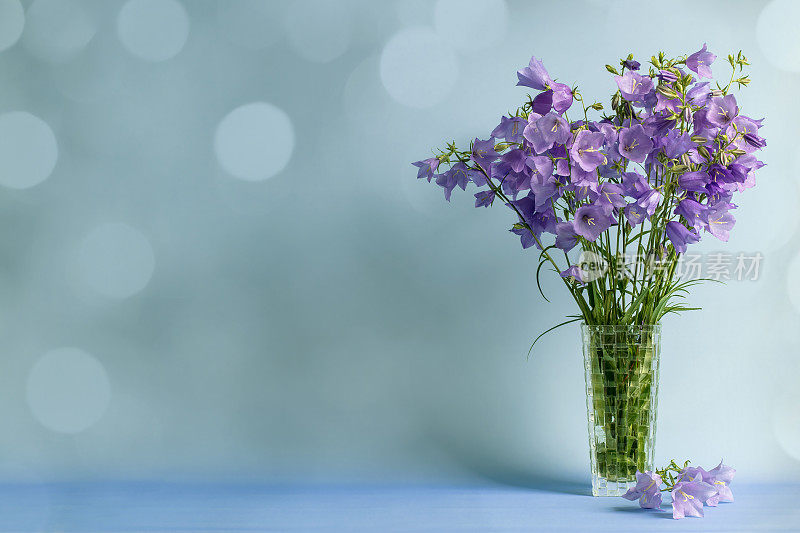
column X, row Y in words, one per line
column 627, row 326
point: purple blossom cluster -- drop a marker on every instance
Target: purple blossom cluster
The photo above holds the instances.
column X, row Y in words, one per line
column 690, row 487
column 670, row 157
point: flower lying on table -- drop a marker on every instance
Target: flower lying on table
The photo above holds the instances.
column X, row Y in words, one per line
column 690, row 486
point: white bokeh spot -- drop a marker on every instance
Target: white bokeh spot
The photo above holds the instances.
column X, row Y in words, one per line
column 793, row 282
column 68, row 390
column 153, row 30
column 251, row 24
column 116, row 260
column 776, row 31
column 254, row 141
column 319, row 30
column 28, row 150
column 418, row 68
column 12, row 22
column 786, row 424
column 57, row 30
column 471, row 24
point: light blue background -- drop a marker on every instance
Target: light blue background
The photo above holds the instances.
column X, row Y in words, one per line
column 337, row 320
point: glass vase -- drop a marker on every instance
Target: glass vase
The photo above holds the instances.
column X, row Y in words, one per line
column 621, row 365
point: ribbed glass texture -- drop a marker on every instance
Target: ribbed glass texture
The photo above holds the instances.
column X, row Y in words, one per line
column 621, row 365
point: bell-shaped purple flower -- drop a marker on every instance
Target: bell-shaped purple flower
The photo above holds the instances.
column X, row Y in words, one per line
column 634, row 87
column 574, row 273
column 649, row 201
column 554, row 129
column 700, row 62
column 586, row 150
column 510, row 129
column 634, row 143
column 688, row 497
column 699, row 94
column 543, row 102
column 720, row 478
column 484, row 198
column 447, row 182
column 566, row 238
column 535, row 136
column 630, row 64
column 515, row 158
column 647, row 490
column 534, row 75
column 694, row 181
column 426, row 168
column 658, row 123
column 635, row 214
column 591, row 221
column 679, row 235
column 610, row 197
column 483, row 152
column 719, row 222
column 676, row 144
column 721, row 111
column 692, row 211
column 562, row 97
column 634, row 184
column 667, row 76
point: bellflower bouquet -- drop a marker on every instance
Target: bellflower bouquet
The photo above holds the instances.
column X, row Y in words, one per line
column 690, row 487
column 625, row 192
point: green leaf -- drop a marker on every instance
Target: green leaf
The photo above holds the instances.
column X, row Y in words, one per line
column 551, row 329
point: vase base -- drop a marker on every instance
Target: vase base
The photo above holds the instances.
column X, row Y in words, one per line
column 603, row 487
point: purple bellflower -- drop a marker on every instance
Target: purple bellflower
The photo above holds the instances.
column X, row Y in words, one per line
column 574, row 273
column 483, row 153
column 680, row 236
column 688, row 497
column 634, row 87
column 721, row 111
column 720, row 222
column 591, row 221
column 566, row 238
column 647, row 490
column 635, row 144
column 586, row 148
column 534, row 75
column 700, row 62
column 426, row 167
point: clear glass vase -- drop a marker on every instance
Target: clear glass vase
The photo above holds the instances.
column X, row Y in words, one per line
column 621, row 398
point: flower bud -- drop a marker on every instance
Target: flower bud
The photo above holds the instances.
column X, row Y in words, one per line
column 667, row 76
column 686, row 160
column 667, row 91
column 717, row 92
column 738, row 152
column 703, row 151
column 611, row 69
column 697, row 139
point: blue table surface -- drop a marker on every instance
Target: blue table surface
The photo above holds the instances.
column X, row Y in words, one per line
column 154, row 506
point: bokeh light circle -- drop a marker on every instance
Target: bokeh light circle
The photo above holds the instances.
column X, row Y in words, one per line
column 28, row 150
column 12, row 22
column 116, row 260
column 786, row 424
column 418, row 68
column 252, row 24
column 793, row 282
column 68, row 390
column 57, row 30
column 153, row 30
column 776, row 31
column 254, row 141
column 319, row 30
column 471, row 24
